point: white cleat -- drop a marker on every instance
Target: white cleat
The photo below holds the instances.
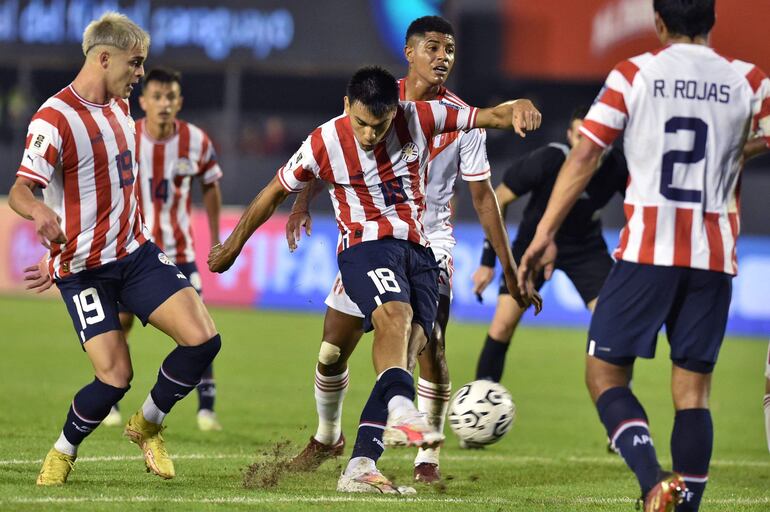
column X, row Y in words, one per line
column 412, row 429
column 208, row 422
column 113, row 419
column 371, row 481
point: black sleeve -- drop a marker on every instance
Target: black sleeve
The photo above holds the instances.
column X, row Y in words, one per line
column 488, row 256
column 620, row 170
column 528, row 172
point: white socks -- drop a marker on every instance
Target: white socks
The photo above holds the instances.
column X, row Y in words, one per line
column 151, row 412
column 359, row 466
column 767, row 419
column 65, row 446
column 329, row 395
column 433, row 400
column 400, row 406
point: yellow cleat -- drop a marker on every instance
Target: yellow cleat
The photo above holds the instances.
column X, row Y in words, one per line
column 208, row 421
column 56, row 468
column 150, row 440
column 113, row 419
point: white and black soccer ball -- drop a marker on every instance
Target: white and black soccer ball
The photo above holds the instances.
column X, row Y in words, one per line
column 481, row 412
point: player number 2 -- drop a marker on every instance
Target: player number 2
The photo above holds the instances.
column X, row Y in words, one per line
column 87, row 302
column 385, row 280
column 698, row 152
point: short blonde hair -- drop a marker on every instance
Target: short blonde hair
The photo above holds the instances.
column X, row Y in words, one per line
column 117, row 30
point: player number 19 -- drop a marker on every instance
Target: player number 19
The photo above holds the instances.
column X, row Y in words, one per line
column 85, row 306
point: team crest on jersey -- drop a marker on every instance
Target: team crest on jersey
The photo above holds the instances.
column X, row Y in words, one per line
column 409, row 152
column 164, row 259
column 183, row 167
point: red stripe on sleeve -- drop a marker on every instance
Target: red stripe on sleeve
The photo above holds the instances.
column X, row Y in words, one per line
column 614, row 99
column 628, row 69
column 650, row 220
column 683, row 237
column 603, row 133
column 755, row 77
column 714, row 236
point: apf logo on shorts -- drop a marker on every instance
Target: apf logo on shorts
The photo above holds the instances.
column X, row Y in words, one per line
column 164, row 259
column 409, row 152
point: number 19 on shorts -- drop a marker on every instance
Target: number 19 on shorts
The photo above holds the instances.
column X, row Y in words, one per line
column 87, row 302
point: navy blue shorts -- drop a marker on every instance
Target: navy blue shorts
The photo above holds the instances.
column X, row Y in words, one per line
column 141, row 281
column 190, row 270
column 637, row 300
column 386, row 270
column 586, row 265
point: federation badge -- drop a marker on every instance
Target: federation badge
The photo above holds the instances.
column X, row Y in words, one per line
column 183, row 167
column 409, row 152
column 164, row 259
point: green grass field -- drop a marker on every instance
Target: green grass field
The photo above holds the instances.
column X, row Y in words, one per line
column 553, row 459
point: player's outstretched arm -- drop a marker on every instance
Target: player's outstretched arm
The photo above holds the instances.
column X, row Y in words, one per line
column 580, row 166
column 485, row 203
column 300, row 214
column 47, row 224
column 518, row 115
column 261, row 208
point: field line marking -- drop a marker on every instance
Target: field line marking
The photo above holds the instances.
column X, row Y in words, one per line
column 513, row 459
column 348, row 499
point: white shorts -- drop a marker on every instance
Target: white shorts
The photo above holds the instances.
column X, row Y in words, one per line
column 339, row 300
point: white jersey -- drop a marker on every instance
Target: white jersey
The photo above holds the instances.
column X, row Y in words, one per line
column 687, row 112
column 462, row 153
column 82, row 154
column 379, row 193
column 166, row 170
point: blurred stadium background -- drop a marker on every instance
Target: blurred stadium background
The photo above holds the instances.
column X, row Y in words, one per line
column 260, row 75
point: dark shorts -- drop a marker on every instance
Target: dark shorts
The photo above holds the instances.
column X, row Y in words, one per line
column 586, row 265
column 637, row 300
column 141, row 281
column 190, row 270
column 386, row 270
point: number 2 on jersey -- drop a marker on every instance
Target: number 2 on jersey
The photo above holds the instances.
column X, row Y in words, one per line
column 696, row 154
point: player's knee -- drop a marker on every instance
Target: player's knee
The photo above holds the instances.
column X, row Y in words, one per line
column 208, row 350
column 118, row 376
column 329, row 354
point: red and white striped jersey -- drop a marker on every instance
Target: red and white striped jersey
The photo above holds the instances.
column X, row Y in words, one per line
column 379, row 193
column 82, row 154
column 166, row 170
column 687, row 112
column 461, row 153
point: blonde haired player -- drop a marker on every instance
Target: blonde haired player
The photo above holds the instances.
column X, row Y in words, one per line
column 80, row 151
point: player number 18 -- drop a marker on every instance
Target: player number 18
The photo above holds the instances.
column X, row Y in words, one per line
column 385, row 280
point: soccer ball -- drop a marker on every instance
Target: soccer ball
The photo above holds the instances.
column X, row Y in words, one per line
column 481, row 413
